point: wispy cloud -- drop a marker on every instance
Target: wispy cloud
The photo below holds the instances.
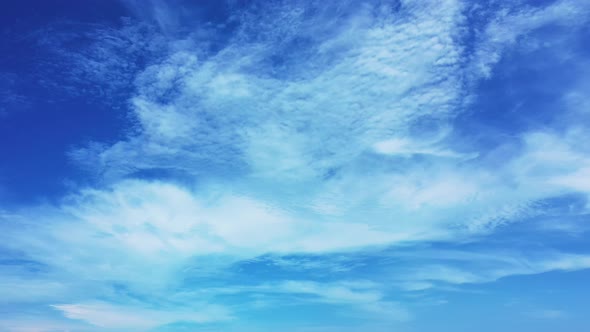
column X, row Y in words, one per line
column 548, row 314
column 325, row 147
column 105, row 67
column 362, row 295
column 123, row 317
column 509, row 26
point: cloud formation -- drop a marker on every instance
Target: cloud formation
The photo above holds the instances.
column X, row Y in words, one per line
column 320, row 155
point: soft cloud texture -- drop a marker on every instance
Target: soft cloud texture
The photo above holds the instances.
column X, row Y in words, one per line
column 317, row 156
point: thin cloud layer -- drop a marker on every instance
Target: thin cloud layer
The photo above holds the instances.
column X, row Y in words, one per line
column 301, row 156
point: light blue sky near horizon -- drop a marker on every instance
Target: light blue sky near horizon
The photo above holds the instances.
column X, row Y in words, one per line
column 256, row 166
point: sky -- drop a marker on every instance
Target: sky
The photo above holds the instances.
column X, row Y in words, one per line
column 297, row 166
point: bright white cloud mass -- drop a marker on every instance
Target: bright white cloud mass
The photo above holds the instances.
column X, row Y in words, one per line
column 315, row 166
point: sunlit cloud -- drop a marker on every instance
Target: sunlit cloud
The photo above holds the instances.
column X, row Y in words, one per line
column 310, row 156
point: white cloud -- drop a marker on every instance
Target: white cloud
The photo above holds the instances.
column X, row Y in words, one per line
column 124, row 317
column 362, row 296
column 508, row 27
column 554, row 160
column 467, row 269
column 349, row 147
column 226, row 110
column 333, row 293
column 365, row 296
column 17, row 289
column 579, row 180
column 105, row 68
column 548, row 314
column 35, row 324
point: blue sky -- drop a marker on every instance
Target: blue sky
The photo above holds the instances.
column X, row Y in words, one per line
column 298, row 166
